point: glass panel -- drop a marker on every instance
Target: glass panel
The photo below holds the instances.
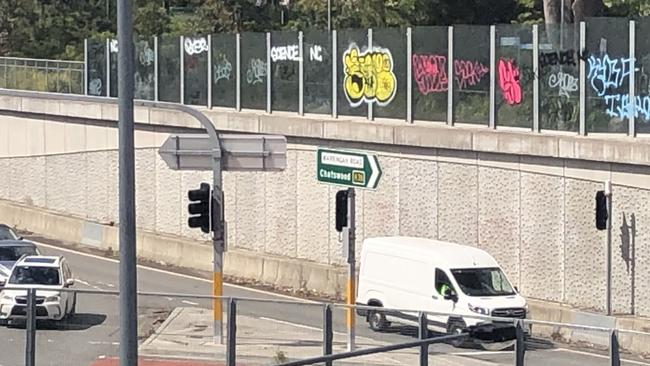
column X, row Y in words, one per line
column 429, row 68
column 472, row 74
column 642, row 92
column 559, row 77
column 253, row 71
column 224, row 60
column 318, row 72
column 389, row 60
column 351, row 98
column 144, row 69
column 515, row 75
column 608, row 74
column 169, row 78
column 113, row 49
column 195, row 53
column 96, row 67
column 285, row 56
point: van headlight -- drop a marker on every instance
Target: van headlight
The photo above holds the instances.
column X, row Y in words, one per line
column 52, row 299
column 478, row 310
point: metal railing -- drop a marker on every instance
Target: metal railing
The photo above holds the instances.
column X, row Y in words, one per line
column 55, row 76
column 236, row 320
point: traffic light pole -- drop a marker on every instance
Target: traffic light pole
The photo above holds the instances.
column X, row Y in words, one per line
column 218, row 243
column 351, row 287
column 608, row 194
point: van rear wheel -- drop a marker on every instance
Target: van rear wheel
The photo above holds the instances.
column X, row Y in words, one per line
column 377, row 321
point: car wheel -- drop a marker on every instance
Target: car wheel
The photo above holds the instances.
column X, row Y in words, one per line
column 454, row 328
column 377, row 321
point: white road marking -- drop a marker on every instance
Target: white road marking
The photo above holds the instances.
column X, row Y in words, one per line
column 598, row 356
column 104, row 343
column 479, row 353
column 269, row 293
column 189, row 302
column 88, row 284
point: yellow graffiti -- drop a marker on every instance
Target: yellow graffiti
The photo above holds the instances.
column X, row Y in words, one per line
column 369, row 76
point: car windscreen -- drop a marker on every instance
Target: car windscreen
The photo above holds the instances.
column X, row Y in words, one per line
column 25, row 275
column 7, row 234
column 483, row 281
column 12, row 254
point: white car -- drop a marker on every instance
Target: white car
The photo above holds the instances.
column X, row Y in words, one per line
column 49, row 275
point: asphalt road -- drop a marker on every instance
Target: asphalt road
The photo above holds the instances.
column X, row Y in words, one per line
column 93, row 333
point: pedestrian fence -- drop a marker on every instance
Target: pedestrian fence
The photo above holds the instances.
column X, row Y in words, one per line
column 53, row 76
column 257, row 331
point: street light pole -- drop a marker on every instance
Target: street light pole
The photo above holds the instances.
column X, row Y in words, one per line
column 329, row 15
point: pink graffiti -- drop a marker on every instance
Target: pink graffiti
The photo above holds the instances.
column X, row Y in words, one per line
column 509, row 81
column 430, row 73
column 469, row 73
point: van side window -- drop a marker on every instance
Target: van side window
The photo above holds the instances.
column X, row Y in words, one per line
column 442, row 282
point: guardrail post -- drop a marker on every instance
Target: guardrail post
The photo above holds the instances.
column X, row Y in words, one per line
column 268, row 74
column 30, row 329
column 85, row 76
column 583, row 78
column 182, row 69
column 614, row 356
column 631, row 130
column 450, row 75
column 328, row 333
column 335, row 113
column 409, row 75
column 424, row 334
column 231, row 346
column 301, row 74
column 520, row 346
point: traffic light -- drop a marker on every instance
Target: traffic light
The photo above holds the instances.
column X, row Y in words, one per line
column 341, row 210
column 199, row 208
column 601, row 210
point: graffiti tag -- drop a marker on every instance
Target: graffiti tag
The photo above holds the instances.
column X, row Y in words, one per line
column 222, row 68
column 430, row 73
column 567, row 58
column 195, row 46
column 369, row 76
column 620, row 105
column 509, row 81
column 113, row 46
column 95, row 87
column 146, row 56
column 566, row 83
column 316, row 53
column 256, row 71
column 469, row 73
column 285, row 53
column 143, row 86
column 606, row 73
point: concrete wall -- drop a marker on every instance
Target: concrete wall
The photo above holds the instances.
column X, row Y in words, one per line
column 535, row 215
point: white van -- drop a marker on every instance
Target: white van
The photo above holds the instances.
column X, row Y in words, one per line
column 435, row 276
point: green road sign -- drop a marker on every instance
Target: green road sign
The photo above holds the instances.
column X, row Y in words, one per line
column 348, row 168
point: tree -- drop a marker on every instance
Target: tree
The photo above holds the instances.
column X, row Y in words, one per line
column 574, row 10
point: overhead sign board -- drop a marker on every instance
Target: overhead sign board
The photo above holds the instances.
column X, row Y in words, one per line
column 348, row 168
column 238, row 152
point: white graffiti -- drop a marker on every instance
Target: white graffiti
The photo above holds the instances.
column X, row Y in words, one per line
column 566, row 83
column 195, row 46
column 222, row 69
column 256, row 71
column 315, row 53
column 95, row 87
column 144, row 86
column 146, row 56
column 284, row 53
column 113, row 45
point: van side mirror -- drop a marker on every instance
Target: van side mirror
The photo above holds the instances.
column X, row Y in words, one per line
column 19, row 238
column 450, row 295
column 69, row 282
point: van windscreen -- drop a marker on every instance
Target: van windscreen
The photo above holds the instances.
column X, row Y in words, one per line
column 483, row 282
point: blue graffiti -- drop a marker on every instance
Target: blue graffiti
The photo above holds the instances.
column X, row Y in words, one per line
column 607, row 73
column 620, row 105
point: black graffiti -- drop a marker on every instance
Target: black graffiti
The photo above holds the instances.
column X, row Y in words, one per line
column 568, row 58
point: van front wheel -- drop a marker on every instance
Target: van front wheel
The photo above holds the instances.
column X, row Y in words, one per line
column 456, row 328
column 377, row 321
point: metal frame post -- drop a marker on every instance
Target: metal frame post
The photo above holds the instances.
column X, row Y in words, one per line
column 30, row 329
column 493, row 77
column 423, row 332
column 631, row 131
column 301, row 75
column 328, row 333
column 155, row 68
column 450, row 75
column 608, row 195
column 583, row 81
column 218, row 243
column 329, row 15
column 108, row 67
column 85, row 78
column 351, row 287
column 370, row 105
column 614, row 352
column 335, row 112
column 182, row 67
column 536, row 126
column 127, row 219
column 268, row 73
column 238, row 77
column 520, row 345
column 231, row 347
column 209, row 76
column 409, row 75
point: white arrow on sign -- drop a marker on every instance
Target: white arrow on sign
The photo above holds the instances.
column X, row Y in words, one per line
column 374, row 167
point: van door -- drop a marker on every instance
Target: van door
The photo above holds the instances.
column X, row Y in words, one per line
column 440, row 305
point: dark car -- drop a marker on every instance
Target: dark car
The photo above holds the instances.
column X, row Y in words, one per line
column 10, row 252
column 7, row 233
